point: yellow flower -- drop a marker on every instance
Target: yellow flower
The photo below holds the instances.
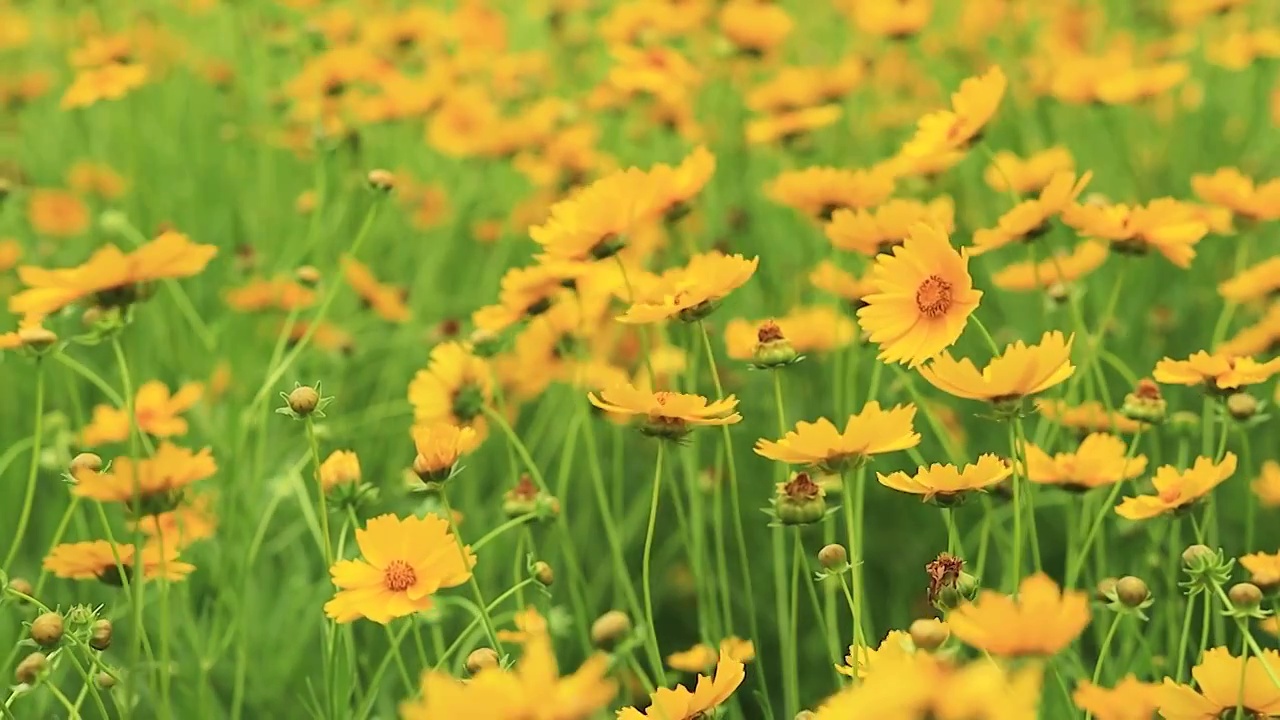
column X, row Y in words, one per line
column 789, row 125
column 828, row 277
column 455, row 387
column 681, row 704
column 1267, row 484
column 57, row 213
column 276, row 293
column 341, row 467
column 1224, row 683
column 97, row 560
column 1030, row 218
column 1130, row 699
column 900, row 19
column 1042, row 620
column 10, row 253
column 677, row 186
column 873, row 232
column 157, row 478
column 1232, row 189
column 818, row 192
column 1264, row 569
column 157, row 413
column 807, row 330
column 1261, row 337
column 108, row 82
column 738, row 649
column 1007, row 172
column 533, row 690
column 92, row 178
column 387, row 301
column 1178, row 489
column 754, row 26
column 1089, row 416
column 820, row 444
column 1020, row 371
column 404, row 562
column 699, row 658
column 947, row 483
column 924, row 296
column 439, row 446
column 1170, row 227
column 1061, row 270
column 861, row 660
column 110, row 276
column 666, row 414
column 186, row 524
column 1217, row 372
column 1255, row 283
column 1100, row 460
column 593, row 223
column 972, row 107
column 692, row 292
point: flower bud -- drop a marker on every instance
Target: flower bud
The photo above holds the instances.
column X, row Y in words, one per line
column 381, row 180
column 104, row 680
column 929, row 633
column 37, row 338
column 1197, row 555
column 1145, row 403
column 84, row 462
column 481, row 659
column 1132, row 592
column 772, row 349
column 543, row 573
column 1242, row 405
column 800, row 501
column 1245, row 596
column 307, row 275
column 806, row 715
column 833, row 556
column 1106, row 589
column 29, row 669
column 303, row 400
column 46, row 629
column 23, row 586
column 100, row 635
column 1185, row 423
column 610, row 628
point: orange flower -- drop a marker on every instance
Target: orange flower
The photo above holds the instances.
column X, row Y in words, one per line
column 1030, row 218
column 10, row 253
column 109, row 82
column 277, row 293
column 110, row 276
column 1178, row 489
column 92, row 178
column 593, row 223
column 1267, row 485
column 158, row 478
column 1166, row 225
column 790, row 125
column 820, row 191
column 97, row 560
column 57, row 213
column 948, row 484
column 1232, row 189
column 1043, row 620
column 755, row 27
column 879, row 231
column 1046, row 274
column 342, row 467
column 972, row 107
column 156, row 411
column 821, row 444
column 189, row 523
column 387, row 301
column 1008, row 172
column 899, row 19
column 666, row 414
column 1128, row 700
column 1089, row 416
column 1018, row 372
column 1216, row 372
column 455, row 387
column 1255, row 283
column 1100, row 460
column 694, row 291
column 828, row 277
column 677, row 186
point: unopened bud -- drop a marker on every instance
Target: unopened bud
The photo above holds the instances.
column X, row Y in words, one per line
column 1242, row 406
column 772, row 349
column 37, row 338
column 833, row 556
column 303, row 400
column 928, row 633
column 610, row 628
column 1145, row 403
column 1245, row 596
column 1185, row 422
column 100, row 635
column 46, row 629
column 307, row 275
column 104, row 680
column 84, row 462
column 1197, row 554
column 481, row 659
column 1106, row 589
column 800, row 501
column 543, row 573
column 381, row 180
column 806, row 715
column 1131, row 591
column 29, row 669
column 23, row 586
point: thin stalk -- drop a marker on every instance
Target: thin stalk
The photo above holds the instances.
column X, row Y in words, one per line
column 33, row 472
column 475, row 586
column 646, row 571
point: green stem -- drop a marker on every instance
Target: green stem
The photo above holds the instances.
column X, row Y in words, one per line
column 33, row 472
column 646, row 571
column 494, row 533
column 1106, row 646
column 489, row 629
column 324, row 502
column 1015, row 568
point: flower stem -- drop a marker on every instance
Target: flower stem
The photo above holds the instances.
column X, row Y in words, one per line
column 646, row 576
column 33, row 472
column 489, row 628
column 324, row 503
column 1015, row 567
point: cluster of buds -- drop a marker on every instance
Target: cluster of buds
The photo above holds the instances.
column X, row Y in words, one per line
column 79, row 626
column 1145, row 403
column 799, row 501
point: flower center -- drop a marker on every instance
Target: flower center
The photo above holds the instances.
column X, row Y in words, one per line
column 1169, row 495
column 399, row 576
column 933, row 297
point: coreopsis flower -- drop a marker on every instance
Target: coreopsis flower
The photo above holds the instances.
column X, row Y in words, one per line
column 188, row 523
column 1170, row 227
column 871, row 232
column 692, row 292
column 403, row 563
column 1130, row 699
column 753, row 26
column 387, row 301
column 1215, row 372
column 1177, row 489
column 1254, row 283
column 861, row 660
column 342, row 467
column 1029, row 219
column 702, row 657
column 1055, row 272
column 1042, row 621
column 1232, row 189
column 900, row 19
column 1264, row 569
column 1009, row 173
column 829, row 277
column 1223, row 684
column 678, row 185
column 666, row 414
column 815, row 329
column 947, row 484
column 593, row 223
column 156, row 413
column 533, row 689
column 924, row 296
column 439, row 446
column 326, row 335
column 455, row 387
column 1267, row 485
column 795, row 87
column 818, row 192
column 57, row 213
column 156, row 481
column 1238, row 49
column 1020, row 371
column 821, row 444
column 1100, row 460
column 110, row 276
column 108, row 82
column 791, row 125
column 97, row 560
column 1089, row 416
column 96, row 179
column 527, row 292
column 681, row 704
column 279, row 293
column 972, row 107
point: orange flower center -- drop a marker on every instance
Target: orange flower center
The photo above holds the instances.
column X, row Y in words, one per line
column 933, row 297
column 399, row 576
column 1170, row 495
column 662, row 396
